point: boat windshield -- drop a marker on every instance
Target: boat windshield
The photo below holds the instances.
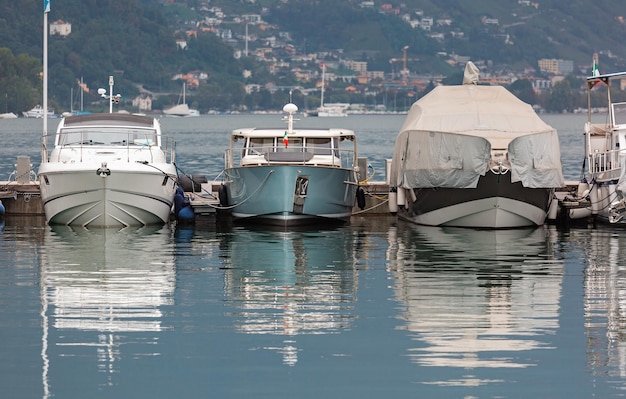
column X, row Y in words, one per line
column 108, row 136
column 314, row 145
column 619, row 115
column 260, row 145
column 321, row 146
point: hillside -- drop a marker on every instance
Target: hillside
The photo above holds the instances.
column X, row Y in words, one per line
column 512, row 32
column 135, row 40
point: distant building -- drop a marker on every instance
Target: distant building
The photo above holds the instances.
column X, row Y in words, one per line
column 540, row 85
column 61, row 28
column 356, row 66
column 556, row 66
column 143, row 102
column 489, row 21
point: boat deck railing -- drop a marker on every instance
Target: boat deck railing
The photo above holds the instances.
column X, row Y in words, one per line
column 291, row 155
column 600, row 162
column 115, row 140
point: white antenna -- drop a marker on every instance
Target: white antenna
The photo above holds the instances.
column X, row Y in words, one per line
column 291, row 109
column 112, row 98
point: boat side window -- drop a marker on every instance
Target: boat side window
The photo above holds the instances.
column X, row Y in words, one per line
column 144, row 138
column 260, row 145
column 319, row 146
column 68, row 137
column 619, row 115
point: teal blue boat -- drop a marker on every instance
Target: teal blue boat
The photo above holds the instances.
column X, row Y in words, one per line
column 287, row 176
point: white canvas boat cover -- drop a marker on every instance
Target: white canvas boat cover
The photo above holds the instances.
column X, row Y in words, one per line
column 449, row 135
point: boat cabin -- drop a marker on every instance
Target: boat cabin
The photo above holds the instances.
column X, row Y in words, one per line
column 304, row 146
column 99, row 137
column 606, row 140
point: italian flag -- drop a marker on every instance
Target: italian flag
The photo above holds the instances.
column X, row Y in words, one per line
column 285, row 139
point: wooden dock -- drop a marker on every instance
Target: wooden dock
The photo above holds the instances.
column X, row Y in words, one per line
column 21, row 198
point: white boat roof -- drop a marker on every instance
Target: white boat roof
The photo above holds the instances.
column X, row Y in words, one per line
column 300, row 132
column 491, row 112
column 109, row 119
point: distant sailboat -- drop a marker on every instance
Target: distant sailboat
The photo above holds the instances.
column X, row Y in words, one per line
column 329, row 110
column 82, row 88
column 182, row 109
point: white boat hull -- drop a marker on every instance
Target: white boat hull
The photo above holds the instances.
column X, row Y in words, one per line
column 108, row 170
column 135, row 195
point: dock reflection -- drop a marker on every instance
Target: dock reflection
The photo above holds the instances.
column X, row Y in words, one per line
column 476, row 299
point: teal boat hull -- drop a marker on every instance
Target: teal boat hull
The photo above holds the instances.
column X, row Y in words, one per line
column 290, row 194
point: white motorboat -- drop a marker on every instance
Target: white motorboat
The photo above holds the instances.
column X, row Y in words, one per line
column 108, row 170
column 605, row 151
column 37, row 112
column 290, row 176
column 333, row 110
column 474, row 156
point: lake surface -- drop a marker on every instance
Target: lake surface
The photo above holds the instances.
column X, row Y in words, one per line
column 376, row 309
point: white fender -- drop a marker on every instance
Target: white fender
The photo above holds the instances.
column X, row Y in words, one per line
column 553, row 211
column 401, row 198
column 393, row 202
column 583, row 189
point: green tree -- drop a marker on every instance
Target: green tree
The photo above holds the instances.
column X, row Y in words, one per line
column 523, row 89
column 562, row 98
column 20, row 82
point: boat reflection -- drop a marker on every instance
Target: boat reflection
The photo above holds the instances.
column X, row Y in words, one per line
column 476, row 299
column 102, row 289
column 605, row 300
column 290, row 283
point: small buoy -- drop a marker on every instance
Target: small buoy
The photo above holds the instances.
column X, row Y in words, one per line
column 179, row 201
column 186, row 214
column 1, row 208
column 360, row 198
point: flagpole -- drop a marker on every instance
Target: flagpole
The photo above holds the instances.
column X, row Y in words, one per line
column 46, row 10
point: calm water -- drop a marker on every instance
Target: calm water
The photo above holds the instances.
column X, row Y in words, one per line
column 375, row 309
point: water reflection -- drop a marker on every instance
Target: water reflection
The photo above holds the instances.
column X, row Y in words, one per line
column 101, row 287
column 605, row 300
column 476, row 299
column 290, row 283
